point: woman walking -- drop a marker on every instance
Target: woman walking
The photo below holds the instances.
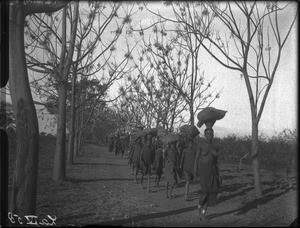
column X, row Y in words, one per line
column 208, row 173
column 158, row 163
column 187, row 163
column 147, row 157
column 117, row 146
column 135, row 157
column 171, row 157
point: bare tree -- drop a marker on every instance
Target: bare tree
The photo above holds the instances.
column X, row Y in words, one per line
column 246, row 37
column 93, row 55
column 23, row 194
column 174, row 52
column 59, row 58
column 157, row 102
column 90, row 60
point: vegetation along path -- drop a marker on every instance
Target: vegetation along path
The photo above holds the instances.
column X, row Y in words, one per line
column 100, row 190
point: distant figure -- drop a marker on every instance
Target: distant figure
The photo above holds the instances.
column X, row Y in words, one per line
column 187, row 163
column 123, row 144
column 208, row 172
column 111, row 144
column 147, row 158
column 171, row 157
column 118, row 145
column 135, row 158
column 158, row 163
column 127, row 142
column 106, row 141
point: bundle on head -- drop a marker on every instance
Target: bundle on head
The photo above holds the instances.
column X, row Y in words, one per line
column 137, row 128
column 161, row 132
column 136, row 135
column 189, row 131
column 150, row 131
column 209, row 116
column 169, row 139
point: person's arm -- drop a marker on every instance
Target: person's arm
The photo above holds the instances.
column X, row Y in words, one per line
column 153, row 154
column 198, row 152
column 182, row 158
column 165, row 152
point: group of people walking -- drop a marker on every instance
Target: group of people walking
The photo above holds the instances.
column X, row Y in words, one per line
column 185, row 159
column 118, row 143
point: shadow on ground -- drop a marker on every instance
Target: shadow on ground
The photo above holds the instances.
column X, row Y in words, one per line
column 86, row 163
column 73, row 180
column 268, row 196
column 139, row 218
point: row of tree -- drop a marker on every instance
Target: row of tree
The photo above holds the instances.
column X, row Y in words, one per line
column 70, row 54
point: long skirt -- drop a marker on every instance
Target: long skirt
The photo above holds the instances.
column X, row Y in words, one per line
column 209, row 181
column 135, row 158
column 188, row 166
column 170, row 172
column 158, row 166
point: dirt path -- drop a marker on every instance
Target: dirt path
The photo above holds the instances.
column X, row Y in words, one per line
column 100, row 190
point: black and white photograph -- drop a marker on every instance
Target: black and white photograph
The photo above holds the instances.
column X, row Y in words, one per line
column 149, row 113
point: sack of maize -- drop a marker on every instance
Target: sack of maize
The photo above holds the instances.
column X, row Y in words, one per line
column 170, row 138
column 189, row 130
column 161, row 132
column 209, row 116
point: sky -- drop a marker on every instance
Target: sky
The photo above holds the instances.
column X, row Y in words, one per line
column 280, row 110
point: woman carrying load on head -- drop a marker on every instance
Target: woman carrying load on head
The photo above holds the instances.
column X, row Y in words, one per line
column 158, row 163
column 135, row 156
column 180, row 146
column 206, row 161
column 117, row 144
column 171, row 157
column 147, row 158
column 111, row 143
column 187, row 164
column 122, row 144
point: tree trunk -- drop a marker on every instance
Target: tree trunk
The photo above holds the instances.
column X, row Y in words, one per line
column 192, row 119
column 255, row 160
column 70, row 157
column 80, row 133
column 23, row 194
column 59, row 169
column 76, row 145
column 76, row 136
column 80, row 141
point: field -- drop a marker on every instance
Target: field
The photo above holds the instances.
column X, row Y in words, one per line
column 100, row 190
